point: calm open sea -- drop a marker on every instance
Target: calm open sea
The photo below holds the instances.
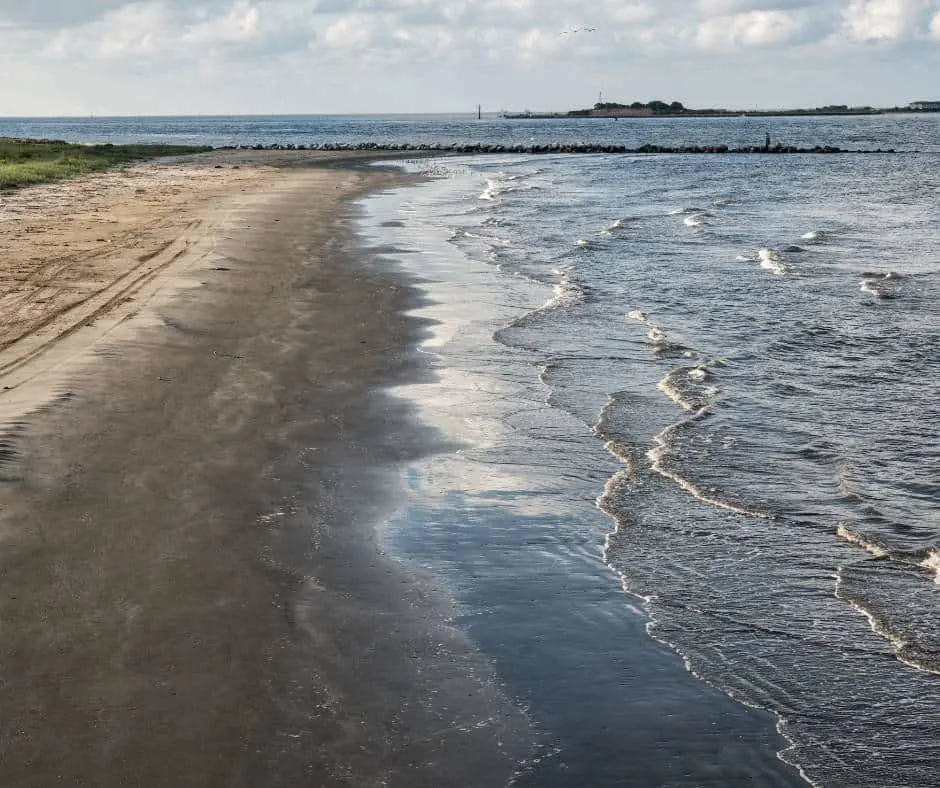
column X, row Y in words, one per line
column 701, row 393
column 903, row 132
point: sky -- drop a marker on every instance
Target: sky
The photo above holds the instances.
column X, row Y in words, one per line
column 160, row 57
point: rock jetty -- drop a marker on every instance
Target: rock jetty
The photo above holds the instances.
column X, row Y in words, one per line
column 556, row 148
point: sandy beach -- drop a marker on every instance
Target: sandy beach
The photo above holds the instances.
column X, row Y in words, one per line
column 196, row 449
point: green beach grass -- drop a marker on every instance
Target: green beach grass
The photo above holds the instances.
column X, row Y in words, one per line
column 30, row 162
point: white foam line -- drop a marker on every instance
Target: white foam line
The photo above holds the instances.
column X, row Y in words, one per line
column 898, row 644
column 658, row 454
column 931, row 563
column 630, row 469
column 844, row 532
column 666, row 385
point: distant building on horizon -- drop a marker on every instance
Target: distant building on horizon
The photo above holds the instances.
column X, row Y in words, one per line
column 924, row 106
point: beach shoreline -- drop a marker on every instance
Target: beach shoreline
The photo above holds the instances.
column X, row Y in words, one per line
column 511, row 525
column 197, row 450
column 212, row 398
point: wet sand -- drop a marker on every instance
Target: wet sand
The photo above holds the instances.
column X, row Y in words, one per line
column 196, row 450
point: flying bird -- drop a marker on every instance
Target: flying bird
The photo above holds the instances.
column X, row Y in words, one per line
column 579, row 29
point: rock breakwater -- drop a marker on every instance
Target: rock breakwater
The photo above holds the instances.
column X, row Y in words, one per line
column 552, row 148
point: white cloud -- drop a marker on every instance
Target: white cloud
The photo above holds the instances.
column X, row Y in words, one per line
column 639, row 48
column 157, row 29
column 749, row 29
column 43, row 13
column 351, row 32
column 632, row 12
column 241, row 23
column 491, row 29
column 134, row 30
column 886, row 20
column 535, row 43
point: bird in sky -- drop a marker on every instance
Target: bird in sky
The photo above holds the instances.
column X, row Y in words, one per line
column 579, row 29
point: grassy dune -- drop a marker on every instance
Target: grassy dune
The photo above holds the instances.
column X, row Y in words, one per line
column 28, row 162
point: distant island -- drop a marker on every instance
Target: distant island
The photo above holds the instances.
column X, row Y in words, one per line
column 675, row 109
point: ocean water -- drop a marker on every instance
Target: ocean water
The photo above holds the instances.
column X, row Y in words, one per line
column 902, row 132
column 719, row 378
column 699, row 404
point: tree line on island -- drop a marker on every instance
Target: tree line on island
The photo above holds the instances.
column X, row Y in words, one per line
column 650, row 108
column 612, row 109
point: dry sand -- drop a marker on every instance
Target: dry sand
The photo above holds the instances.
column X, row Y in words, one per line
column 196, row 449
column 88, row 250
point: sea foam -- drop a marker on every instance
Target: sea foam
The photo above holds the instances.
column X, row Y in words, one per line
column 697, row 219
column 932, row 563
column 882, row 286
column 772, row 260
column 866, row 543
